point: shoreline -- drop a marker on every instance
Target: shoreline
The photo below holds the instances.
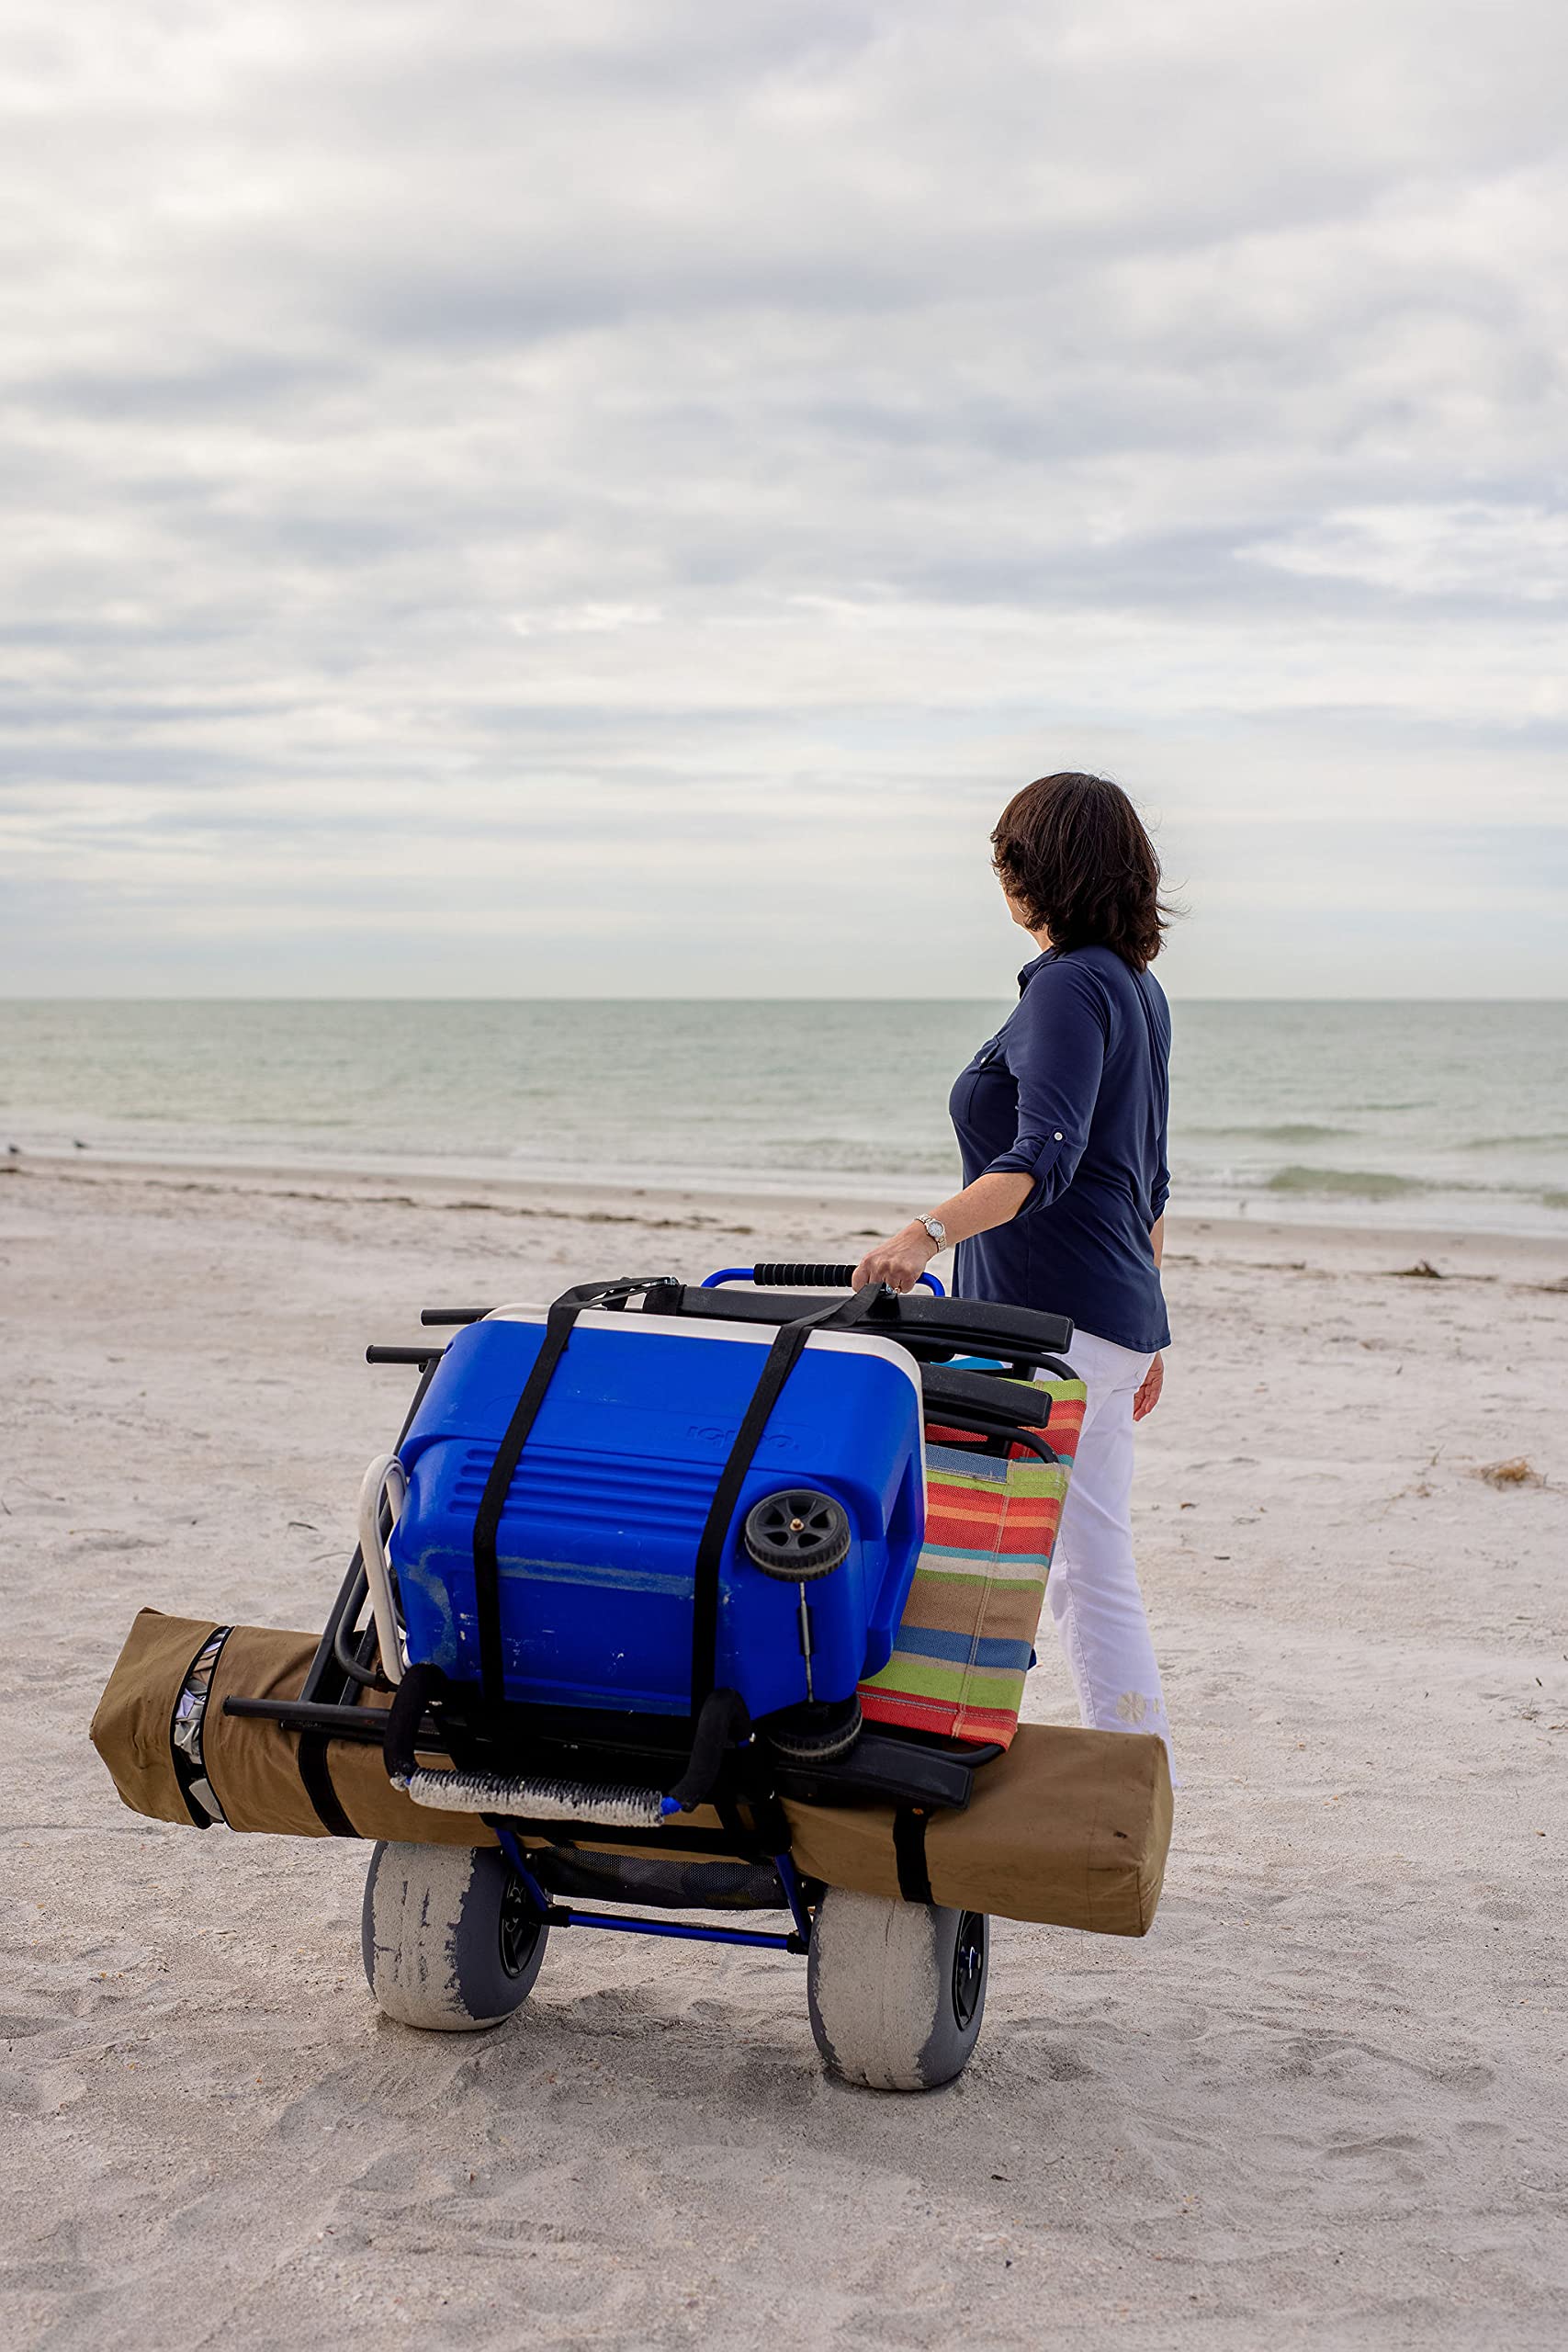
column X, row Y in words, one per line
column 1526, row 1214
column 1536, row 1262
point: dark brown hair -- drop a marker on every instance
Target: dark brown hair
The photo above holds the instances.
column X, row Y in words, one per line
column 1073, row 851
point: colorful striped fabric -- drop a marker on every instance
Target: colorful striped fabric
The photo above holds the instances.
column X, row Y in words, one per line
column 967, row 1631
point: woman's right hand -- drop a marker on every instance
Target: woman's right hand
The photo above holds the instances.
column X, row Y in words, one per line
column 1149, row 1389
column 899, row 1262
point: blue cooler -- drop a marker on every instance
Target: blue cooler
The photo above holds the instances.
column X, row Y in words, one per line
column 599, row 1531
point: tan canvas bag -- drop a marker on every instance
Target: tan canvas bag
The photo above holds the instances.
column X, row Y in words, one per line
column 1070, row 1828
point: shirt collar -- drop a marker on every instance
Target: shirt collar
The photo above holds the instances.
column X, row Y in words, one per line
column 1030, row 970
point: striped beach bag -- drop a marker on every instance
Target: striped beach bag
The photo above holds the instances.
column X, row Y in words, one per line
column 966, row 1637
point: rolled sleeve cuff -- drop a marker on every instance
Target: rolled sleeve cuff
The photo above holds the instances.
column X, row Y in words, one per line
column 1036, row 1156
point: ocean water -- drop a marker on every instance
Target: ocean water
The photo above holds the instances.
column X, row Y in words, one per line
column 1443, row 1115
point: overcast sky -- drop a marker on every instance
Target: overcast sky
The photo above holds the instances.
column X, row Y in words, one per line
column 611, row 495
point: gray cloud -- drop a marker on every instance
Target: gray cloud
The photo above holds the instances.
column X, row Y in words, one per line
column 594, row 464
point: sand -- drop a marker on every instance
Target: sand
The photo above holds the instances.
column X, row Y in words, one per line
column 1323, row 2104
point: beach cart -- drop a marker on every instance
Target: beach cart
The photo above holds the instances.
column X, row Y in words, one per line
column 649, row 1632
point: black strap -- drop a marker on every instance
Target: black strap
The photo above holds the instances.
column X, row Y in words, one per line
column 414, row 1694
column 781, row 1361
column 771, row 1825
column 315, row 1775
column 909, row 1852
column 492, row 1503
column 732, row 1824
column 722, row 1723
column 559, row 1321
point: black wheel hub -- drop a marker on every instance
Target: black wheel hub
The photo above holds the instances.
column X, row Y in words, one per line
column 968, row 1966
column 519, row 1927
column 796, row 1535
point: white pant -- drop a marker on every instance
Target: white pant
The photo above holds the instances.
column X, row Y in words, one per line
column 1093, row 1586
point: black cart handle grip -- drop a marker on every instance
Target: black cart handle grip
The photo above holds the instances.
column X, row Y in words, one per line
column 792, row 1277
column 786, row 1276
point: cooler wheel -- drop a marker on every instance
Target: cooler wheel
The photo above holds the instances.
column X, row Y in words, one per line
column 816, row 1734
column 797, row 1536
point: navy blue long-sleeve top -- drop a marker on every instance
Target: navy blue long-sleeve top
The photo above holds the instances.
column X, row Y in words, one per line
column 1073, row 1091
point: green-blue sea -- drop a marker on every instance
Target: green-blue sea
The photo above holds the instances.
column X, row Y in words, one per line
column 1444, row 1115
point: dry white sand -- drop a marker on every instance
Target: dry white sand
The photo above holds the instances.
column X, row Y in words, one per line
column 1323, row 2104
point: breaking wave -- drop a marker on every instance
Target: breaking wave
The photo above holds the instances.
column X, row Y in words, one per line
column 1290, row 1131
column 1346, row 1184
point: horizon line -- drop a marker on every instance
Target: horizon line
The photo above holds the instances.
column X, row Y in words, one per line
column 646, row 996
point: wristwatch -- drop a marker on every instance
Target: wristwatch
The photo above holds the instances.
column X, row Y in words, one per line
column 936, row 1228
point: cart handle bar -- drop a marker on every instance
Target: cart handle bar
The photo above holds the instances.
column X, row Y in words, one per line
column 784, row 1277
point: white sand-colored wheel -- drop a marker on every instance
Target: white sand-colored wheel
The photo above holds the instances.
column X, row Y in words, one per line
column 897, row 1990
column 448, row 1940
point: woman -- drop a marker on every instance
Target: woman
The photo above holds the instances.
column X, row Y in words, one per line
column 1061, row 1123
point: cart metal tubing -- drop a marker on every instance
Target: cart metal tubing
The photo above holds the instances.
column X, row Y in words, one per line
column 564, row 1915
column 358, row 1669
column 318, row 1673
column 789, row 1879
column 560, row 1915
column 351, row 1594
column 368, row 1724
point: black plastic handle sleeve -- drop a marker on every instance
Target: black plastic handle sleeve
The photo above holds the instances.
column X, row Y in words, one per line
column 784, row 1277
